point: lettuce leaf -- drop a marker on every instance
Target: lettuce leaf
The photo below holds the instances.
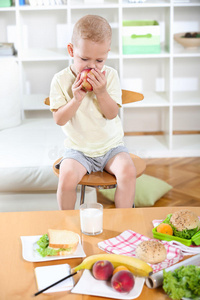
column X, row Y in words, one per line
column 47, row 252
column 44, row 250
column 43, row 242
column 183, row 282
column 185, row 234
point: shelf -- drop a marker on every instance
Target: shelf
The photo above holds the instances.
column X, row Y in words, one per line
column 9, row 57
column 78, row 4
column 186, row 98
column 156, row 146
column 34, row 54
column 147, row 146
column 38, row 54
column 169, row 80
column 11, row 8
column 150, row 100
column 41, row 7
column 189, row 145
column 191, row 3
column 180, row 51
column 163, row 54
column 34, row 102
column 150, row 3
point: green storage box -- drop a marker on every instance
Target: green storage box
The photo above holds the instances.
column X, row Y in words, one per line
column 166, row 237
column 141, row 37
column 5, row 3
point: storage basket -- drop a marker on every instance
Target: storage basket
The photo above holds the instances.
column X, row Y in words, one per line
column 5, row 3
column 141, row 37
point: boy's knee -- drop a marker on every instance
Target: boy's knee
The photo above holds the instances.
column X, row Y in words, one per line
column 130, row 172
column 127, row 173
column 67, row 181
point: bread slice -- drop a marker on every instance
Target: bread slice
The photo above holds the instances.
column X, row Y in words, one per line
column 63, row 239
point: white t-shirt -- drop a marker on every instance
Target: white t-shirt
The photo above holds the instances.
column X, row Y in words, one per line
column 88, row 131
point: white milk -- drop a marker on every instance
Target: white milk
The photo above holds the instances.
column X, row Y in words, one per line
column 91, row 220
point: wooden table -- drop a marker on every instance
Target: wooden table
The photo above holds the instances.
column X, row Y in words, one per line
column 17, row 279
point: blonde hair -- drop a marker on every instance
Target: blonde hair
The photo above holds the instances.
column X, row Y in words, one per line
column 92, row 27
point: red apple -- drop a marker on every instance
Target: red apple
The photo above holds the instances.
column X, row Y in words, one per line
column 123, row 281
column 102, row 270
column 86, row 86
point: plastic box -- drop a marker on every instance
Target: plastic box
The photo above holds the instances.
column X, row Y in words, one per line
column 141, row 37
column 166, row 237
column 5, row 3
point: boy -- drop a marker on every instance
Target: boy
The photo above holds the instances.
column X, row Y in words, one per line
column 90, row 119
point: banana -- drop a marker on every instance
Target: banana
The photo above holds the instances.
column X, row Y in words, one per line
column 135, row 265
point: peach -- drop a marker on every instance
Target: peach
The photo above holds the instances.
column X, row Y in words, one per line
column 102, row 270
column 120, row 268
column 165, row 228
column 123, row 281
column 86, row 86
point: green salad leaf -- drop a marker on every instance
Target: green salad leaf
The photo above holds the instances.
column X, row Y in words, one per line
column 43, row 242
column 44, row 250
column 182, row 282
column 185, row 234
column 47, row 252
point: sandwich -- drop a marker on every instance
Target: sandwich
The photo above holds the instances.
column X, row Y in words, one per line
column 58, row 243
column 151, row 251
column 184, row 223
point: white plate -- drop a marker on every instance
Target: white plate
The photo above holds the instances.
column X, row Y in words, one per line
column 29, row 252
column 88, row 285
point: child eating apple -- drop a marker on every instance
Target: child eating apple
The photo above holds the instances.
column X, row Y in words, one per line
column 94, row 133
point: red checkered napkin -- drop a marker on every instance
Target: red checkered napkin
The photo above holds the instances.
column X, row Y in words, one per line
column 127, row 241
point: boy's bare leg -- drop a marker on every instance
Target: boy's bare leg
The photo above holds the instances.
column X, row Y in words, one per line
column 71, row 172
column 122, row 166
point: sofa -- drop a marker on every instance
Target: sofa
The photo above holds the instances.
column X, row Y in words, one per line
column 27, row 153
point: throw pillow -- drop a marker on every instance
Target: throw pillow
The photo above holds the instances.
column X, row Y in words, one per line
column 149, row 189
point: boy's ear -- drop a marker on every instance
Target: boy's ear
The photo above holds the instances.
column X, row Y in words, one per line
column 70, row 49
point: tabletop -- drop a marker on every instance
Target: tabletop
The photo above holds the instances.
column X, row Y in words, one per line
column 17, row 275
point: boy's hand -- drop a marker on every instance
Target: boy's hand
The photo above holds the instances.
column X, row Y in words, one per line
column 77, row 91
column 98, row 81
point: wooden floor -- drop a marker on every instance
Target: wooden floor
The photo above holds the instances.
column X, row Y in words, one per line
column 182, row 173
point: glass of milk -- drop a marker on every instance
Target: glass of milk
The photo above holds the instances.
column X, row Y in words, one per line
column 91, row 217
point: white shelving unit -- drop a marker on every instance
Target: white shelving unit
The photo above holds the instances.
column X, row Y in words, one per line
column 168, row 117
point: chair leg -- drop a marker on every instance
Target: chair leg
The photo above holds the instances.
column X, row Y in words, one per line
column 82, row 194
column 133, row 205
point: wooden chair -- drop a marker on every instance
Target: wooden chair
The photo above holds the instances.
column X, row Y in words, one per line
column 104, row 179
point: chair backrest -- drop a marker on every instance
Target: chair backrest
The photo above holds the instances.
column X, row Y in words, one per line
column 127, row 97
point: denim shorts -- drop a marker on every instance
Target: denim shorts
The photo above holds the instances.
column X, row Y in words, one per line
column 92, row 164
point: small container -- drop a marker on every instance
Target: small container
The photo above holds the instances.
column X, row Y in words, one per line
column 187, row 42
column 5, row 3
column 196, row 238
column 166, row 237
column 22, row 2
column 141, row 37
